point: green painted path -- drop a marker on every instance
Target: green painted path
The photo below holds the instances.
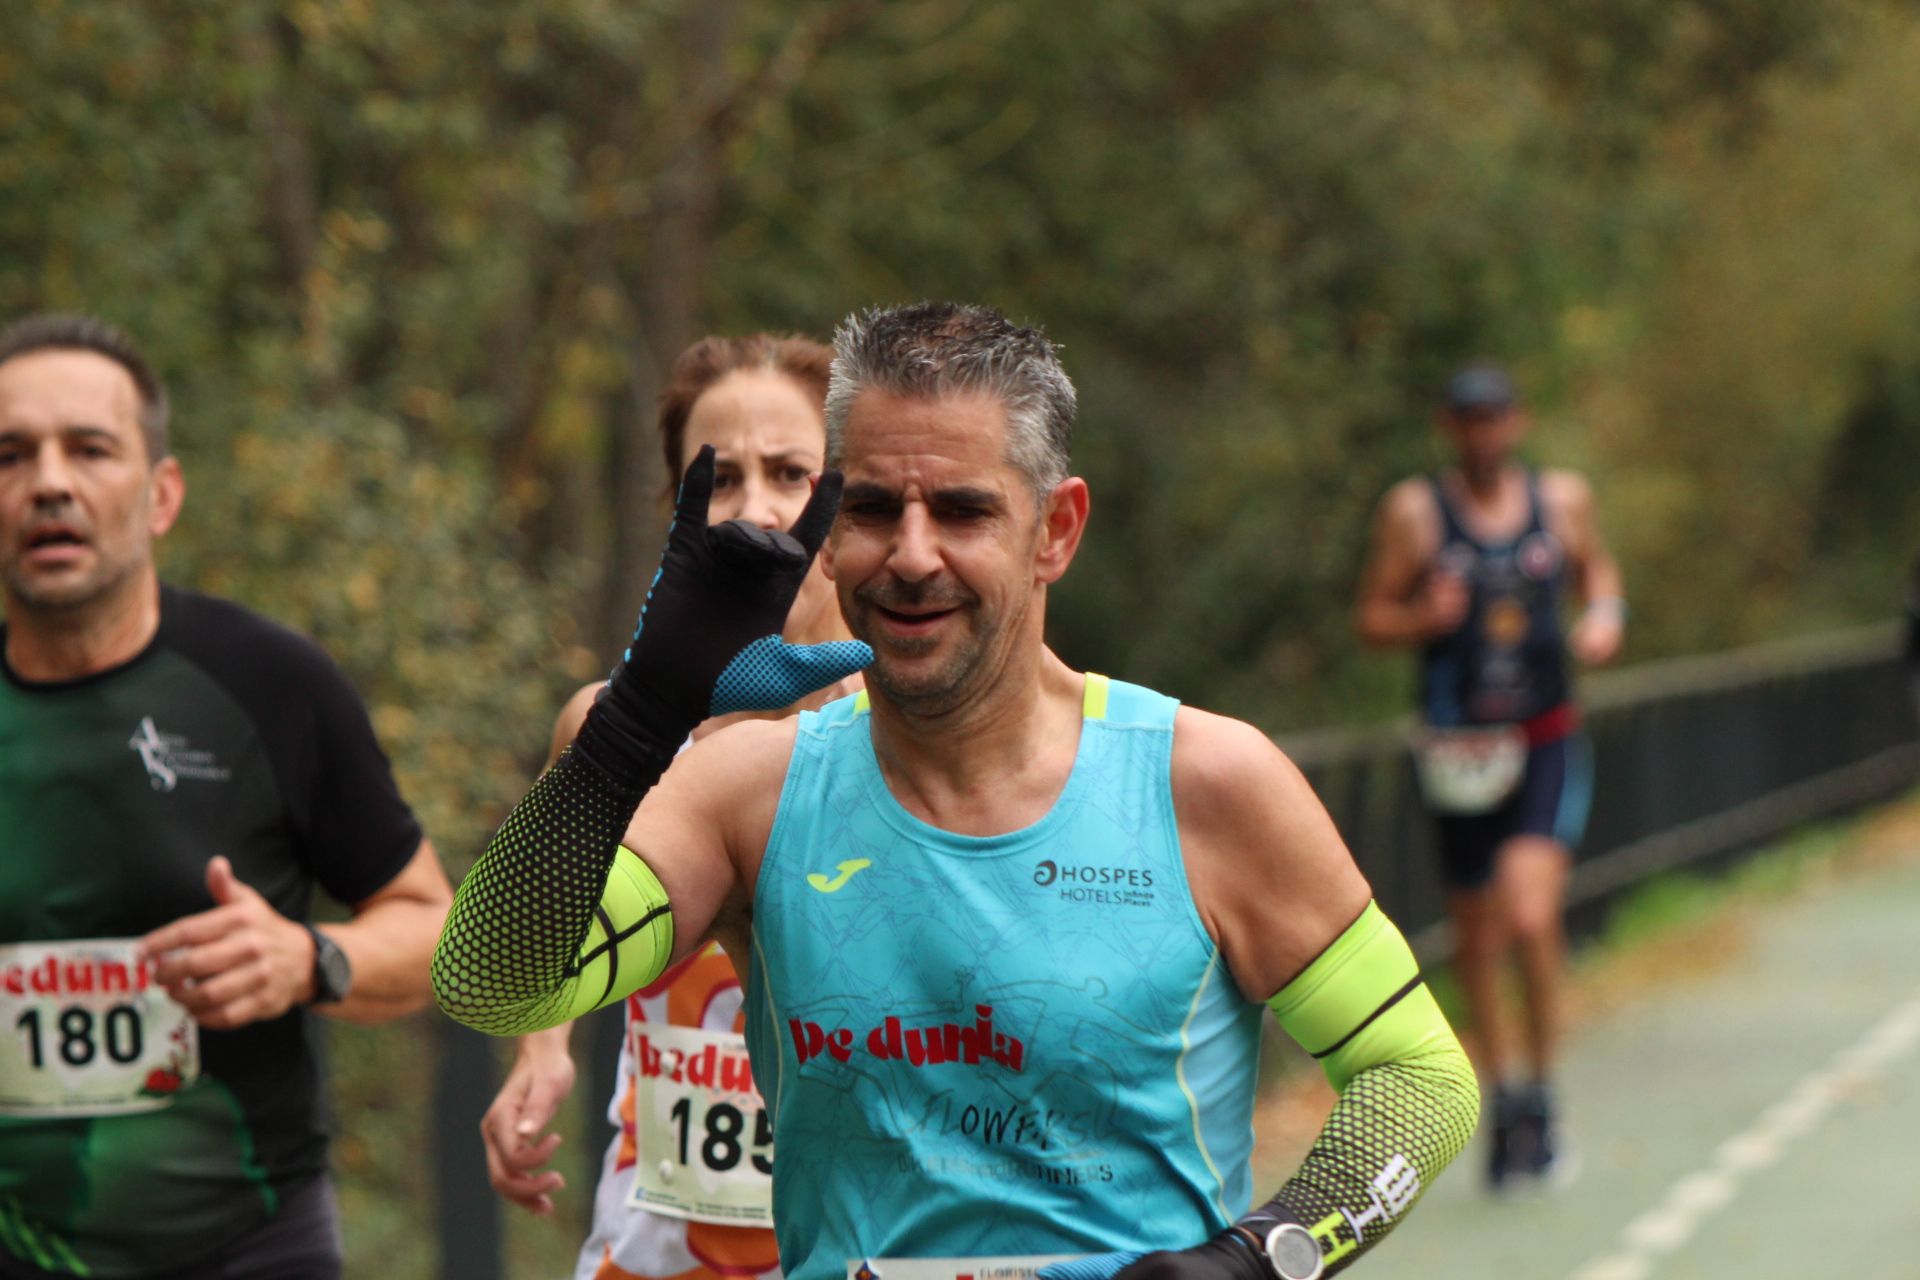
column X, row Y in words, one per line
column 1761, row 1121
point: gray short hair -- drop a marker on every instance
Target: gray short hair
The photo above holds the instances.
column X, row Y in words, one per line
column 933, row 349
column 55, row 331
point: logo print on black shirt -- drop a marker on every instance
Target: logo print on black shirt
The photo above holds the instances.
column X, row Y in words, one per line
column 169, row 758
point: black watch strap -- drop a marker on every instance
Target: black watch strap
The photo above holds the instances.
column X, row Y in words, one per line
column 332, row 972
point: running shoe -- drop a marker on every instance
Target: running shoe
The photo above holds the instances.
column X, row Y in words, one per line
column 1506, row 1140
column 1542, row 1151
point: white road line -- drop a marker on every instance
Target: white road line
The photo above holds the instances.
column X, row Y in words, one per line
column 1667, row 1226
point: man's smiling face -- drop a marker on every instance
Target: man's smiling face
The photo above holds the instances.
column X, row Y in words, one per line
column 934, row 553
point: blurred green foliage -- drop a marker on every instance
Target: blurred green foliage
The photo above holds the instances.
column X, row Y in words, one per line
column 414, row 272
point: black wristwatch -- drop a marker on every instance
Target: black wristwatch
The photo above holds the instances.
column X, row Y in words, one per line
column 332, row 972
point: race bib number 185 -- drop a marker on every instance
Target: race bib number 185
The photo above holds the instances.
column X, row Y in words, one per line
column 705, row 1138
column 84, row 1031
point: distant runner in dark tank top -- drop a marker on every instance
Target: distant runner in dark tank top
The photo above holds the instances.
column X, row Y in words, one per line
column 1476, row 568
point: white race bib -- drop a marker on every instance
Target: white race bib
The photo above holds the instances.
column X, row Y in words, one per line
column 705, row 1138
column 1008, row 1268
column 85, row 1031
column 1470, row 770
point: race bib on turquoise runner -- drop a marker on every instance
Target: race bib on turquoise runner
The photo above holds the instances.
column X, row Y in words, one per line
column 1004, row 1268
column 86, row 1031
column 1470, row 770
column 704, row 1136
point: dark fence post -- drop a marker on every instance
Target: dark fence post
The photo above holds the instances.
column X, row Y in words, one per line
column 466, row 1212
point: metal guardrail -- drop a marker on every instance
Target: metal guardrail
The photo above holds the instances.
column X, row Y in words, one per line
column 1693, row 757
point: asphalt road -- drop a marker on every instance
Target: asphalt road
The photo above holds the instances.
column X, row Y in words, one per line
column 1757, row 1116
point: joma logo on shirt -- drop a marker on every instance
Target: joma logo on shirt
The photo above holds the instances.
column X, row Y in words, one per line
column 915, row 1046
column 169, row 758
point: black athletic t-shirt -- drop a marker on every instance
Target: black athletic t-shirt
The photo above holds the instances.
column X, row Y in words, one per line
column 226, row 735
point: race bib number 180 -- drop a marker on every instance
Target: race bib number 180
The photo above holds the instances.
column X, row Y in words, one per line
column 85, row 1031
column 705, row 1138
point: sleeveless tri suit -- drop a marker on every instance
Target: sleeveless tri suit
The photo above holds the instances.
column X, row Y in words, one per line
column 1001, row 1048
column 1506, row 665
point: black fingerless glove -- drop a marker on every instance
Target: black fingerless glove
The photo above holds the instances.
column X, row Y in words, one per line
column 708, row 639
column 1238, row 1253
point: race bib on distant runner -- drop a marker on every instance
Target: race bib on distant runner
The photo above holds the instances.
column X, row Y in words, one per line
column 1470, row 770
column 705, row 1138
column 86, row 1031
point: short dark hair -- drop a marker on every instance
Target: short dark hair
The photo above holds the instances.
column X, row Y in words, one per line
column 713, row 358
column 59, row 331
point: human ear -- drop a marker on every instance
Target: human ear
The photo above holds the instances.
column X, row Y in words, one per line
column 167, row 489
column 1063, row 521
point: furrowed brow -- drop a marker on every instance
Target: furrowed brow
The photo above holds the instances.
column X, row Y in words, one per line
column 968, row 496
column 867, row 491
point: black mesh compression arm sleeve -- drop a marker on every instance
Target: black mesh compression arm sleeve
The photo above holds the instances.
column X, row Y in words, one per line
column 1408, row 1098
column 1396, row 1125
column 547, row 926
column 554, row 920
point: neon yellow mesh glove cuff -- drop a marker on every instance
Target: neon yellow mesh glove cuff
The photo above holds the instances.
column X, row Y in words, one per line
column 1408, row 1097
column 557, row 917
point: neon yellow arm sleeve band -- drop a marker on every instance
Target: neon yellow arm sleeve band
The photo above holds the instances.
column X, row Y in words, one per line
column 1408, row 1098
column 557, row 918
column 1345, row 1007
column 629, row 942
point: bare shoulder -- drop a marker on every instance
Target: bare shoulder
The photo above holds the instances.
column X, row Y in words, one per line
column 1409, row 503
column 1566, row 493
column 1407, row 519
column 1271, row 877
column 1221, row 763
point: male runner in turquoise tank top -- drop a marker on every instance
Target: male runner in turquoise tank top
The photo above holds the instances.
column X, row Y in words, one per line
column 1471, row 566
column 1009, row 925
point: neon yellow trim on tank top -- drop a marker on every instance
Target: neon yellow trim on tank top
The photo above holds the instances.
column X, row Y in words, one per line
column 1093, row 703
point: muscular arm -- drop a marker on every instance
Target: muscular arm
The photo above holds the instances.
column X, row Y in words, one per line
column 389, row 941
column 1597, row 635
column 1398, row 605
column 1294, row 919
column 568, row 909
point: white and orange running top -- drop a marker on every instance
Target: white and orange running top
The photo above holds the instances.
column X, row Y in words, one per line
column 686, row 1188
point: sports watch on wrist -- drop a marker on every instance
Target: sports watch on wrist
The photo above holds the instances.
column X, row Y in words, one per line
column 1294, row 1252
column 332, row 972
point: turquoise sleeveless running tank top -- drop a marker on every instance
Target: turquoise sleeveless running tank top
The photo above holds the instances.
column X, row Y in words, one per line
column 1023, row 1044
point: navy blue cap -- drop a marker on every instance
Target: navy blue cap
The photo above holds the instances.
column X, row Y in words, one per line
column 1481, row 388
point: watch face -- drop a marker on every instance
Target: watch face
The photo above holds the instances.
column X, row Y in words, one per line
column 1294, row 1252
column 332, row 974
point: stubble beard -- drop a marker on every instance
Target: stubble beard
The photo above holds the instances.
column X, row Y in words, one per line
column 68, row 599
column 947, row 685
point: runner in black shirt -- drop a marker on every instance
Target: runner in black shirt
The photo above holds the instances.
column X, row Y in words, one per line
column 176, row 774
